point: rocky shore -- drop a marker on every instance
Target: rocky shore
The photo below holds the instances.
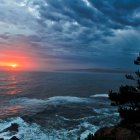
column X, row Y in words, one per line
column 119, row 132
column 127, row 131
column 13, row 128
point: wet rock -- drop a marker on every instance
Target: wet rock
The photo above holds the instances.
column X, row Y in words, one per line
column 14, row 127
column 115, row 133
column 90, row 137
column 1, row 138
column 14, row 138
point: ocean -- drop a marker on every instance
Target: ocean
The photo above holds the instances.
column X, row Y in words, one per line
column 57, row 105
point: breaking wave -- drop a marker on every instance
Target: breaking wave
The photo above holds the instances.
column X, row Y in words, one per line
column 99, row 95
column 59, row 117
column 33, row 131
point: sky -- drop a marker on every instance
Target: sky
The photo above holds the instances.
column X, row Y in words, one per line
column 69, row 34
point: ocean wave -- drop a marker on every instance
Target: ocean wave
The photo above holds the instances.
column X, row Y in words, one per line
column 34, row 131
column 51, row 100
column 33, row 105
column 107, row 111
column 68, row 99
column 99, row 95
column 62, row 126
column 90, row 128
column 27, row 101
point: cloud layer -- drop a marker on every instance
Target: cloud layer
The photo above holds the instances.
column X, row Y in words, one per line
column 73, row 33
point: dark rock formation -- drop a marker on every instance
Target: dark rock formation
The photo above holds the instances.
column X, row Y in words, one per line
column 128, row 132
column 14, row 127
column 90, row 137
column 14, row 138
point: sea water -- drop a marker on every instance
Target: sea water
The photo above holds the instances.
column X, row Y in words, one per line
column 56, row 105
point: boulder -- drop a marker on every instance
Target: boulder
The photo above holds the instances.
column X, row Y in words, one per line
column 13, row 127
column 14, row 138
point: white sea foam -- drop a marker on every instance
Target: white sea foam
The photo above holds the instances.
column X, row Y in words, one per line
column 27, row 101
column 89, row 129
column 99, row 95
column 68, row 99
column 26, row 131
column 36, row 132
column 52, row 100
column 5, row 124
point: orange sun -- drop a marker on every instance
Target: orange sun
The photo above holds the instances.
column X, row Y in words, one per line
column 8, row 65
column 13, row 65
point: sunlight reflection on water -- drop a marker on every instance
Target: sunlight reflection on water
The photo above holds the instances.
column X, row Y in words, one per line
column 10, row 85
column 10, row 110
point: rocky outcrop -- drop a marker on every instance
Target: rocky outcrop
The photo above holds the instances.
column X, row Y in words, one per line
column 14, row 138
column 13, row 127
column 127, row 132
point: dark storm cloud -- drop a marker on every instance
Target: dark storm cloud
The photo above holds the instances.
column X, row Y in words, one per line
column 123, row 12
column 77, row 22
column 74, row 30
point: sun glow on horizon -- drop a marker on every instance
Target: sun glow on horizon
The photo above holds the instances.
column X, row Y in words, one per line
column 13, row 65
column 6, row 64
column 19, row 56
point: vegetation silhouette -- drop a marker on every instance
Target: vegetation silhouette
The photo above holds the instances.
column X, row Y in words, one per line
column 128, row 101
column 128, row 98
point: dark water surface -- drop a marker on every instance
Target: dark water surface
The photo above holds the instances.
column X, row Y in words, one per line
column 56, row 105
